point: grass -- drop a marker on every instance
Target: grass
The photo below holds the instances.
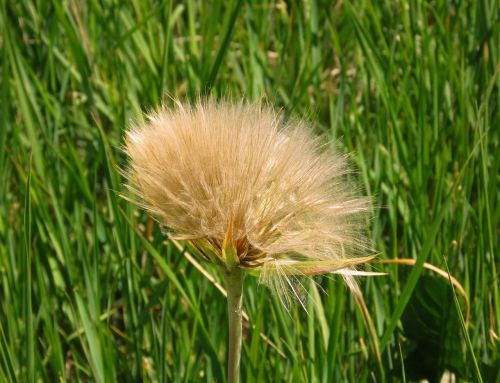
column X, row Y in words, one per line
column 92, row 290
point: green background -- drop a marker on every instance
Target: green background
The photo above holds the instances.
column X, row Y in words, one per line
column 91, row 290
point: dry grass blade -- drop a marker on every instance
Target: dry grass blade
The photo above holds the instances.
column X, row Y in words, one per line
column 437, row 270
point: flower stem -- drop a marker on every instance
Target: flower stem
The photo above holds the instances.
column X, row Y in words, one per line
column 234, row 286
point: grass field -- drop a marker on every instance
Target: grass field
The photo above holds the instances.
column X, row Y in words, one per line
column 91, row 290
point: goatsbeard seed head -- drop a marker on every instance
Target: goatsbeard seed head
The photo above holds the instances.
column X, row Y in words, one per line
column 245, row 188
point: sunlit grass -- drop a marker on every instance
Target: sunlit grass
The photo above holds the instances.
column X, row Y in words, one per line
column 92, row 290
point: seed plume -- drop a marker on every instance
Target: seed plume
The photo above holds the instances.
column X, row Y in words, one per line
column 244, row 187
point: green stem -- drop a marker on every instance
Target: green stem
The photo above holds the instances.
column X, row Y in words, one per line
column 234, row 286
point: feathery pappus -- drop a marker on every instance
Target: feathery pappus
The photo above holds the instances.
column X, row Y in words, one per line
column 246, row 188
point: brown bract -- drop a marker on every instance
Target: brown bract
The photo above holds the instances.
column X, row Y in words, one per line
column 243, row 187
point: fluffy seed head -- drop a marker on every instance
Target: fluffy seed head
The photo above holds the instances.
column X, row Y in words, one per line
column 246, row 188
